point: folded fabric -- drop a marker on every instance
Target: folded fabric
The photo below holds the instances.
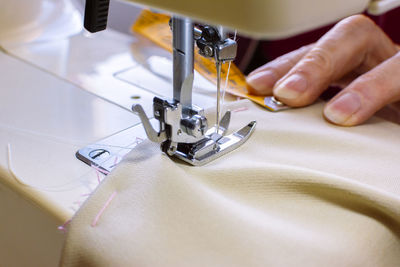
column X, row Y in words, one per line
column 299, row 192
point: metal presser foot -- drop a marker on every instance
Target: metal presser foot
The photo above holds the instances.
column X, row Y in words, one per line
column 187, row 137
column 183, row 129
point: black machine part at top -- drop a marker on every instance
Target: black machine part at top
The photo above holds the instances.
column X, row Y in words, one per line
column 210, row 34
column 209, row 38
column 96, row 15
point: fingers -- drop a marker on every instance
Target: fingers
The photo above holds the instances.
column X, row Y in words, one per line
column 355, row 43
column 366, row 95
column 262, row 80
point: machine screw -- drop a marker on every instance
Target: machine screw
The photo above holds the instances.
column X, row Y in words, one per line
column 208, row 51
column 99, row 154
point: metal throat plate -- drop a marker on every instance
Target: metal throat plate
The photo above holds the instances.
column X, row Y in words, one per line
column 105, row 154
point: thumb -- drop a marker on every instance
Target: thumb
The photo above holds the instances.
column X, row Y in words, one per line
column 366, row 95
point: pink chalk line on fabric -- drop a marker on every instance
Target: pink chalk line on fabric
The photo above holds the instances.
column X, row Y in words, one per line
column 138, row 140
column 63, row 228
column 96, row 219
column 98, row 172
column 115, row 162
column 98, row 176
column 241, row 109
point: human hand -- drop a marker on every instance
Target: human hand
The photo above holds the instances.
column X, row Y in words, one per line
column 355, row 55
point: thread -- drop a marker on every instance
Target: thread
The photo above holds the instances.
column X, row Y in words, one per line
column 77, row 202
column 59, row 140
column 57, row 188
column 11, row 170
column 227, row 77
column 63, row 228
column 98, row 176
column 97, row 173
column 115, row 162
column 99, row 170
column 14, row 174
column 240, row 109
column 96, row 219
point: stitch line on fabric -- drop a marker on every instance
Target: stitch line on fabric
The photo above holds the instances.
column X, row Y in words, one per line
column 20, row 181
column 240, row 109
column 63, row 228
column 99, row 170
column 96, row 219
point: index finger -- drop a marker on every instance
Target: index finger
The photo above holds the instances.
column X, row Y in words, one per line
column 355, row 42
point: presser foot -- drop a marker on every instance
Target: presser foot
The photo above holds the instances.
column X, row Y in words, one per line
column 195, row 150
column 213, row 146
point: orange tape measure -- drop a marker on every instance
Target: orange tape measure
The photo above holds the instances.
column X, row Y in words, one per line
column 154, row 26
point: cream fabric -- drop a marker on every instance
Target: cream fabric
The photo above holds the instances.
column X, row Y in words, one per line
column 300, row 192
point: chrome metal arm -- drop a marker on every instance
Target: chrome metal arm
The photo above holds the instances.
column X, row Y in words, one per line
column 183, row 57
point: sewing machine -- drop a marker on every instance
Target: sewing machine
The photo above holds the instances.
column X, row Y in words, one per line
column 76, row 101
column 182, row 127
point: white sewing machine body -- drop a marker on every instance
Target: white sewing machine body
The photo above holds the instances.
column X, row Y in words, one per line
column 69, row 91
column 270, row 19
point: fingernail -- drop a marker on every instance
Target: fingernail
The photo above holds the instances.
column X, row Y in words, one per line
column 292, row 87
column 262, row 81
column 341, row 109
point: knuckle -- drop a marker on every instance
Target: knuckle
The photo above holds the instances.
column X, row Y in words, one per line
column 274, row 70
column 357, row 23
column 288, row 61
column 294, row 56
column 360, row 18
column 320, row 60
column 304, row 49
column 280, row 66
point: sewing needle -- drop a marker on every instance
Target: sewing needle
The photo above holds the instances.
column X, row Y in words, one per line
column 218, row 66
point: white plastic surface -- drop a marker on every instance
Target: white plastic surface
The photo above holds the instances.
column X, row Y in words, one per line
column 24, row 21
column 108, row 64
column 46, row 120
